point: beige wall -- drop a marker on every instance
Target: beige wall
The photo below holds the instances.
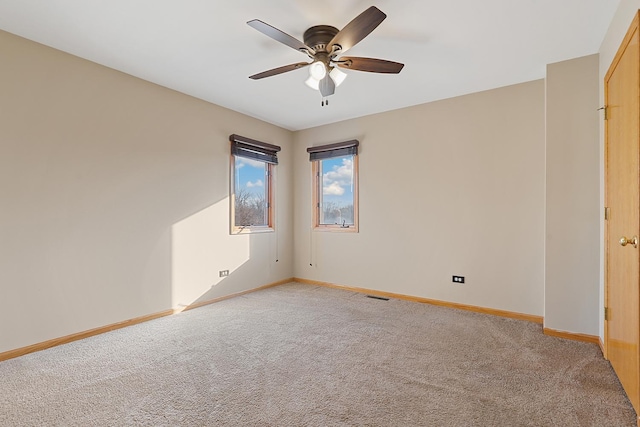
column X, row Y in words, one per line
column 572, row 264
column 115, row 198
column 612, row 40
column 454, row 187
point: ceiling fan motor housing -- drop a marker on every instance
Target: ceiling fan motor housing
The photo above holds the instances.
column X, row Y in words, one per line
column 319, row 36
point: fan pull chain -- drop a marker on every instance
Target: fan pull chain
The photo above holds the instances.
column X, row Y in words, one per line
column 324, row 102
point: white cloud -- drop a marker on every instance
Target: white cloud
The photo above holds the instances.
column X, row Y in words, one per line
column 243, row 161
column 341, row 174
column 258, row 183
column 333, row 189
column 335, row 181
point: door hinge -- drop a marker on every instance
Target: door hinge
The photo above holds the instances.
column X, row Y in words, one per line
column 607, row 214
column 606, row 114
column 607, row 314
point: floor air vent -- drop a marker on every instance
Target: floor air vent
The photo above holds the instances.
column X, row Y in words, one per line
column 380, row 298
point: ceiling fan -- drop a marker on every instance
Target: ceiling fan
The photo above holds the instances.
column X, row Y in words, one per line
column 323, row 44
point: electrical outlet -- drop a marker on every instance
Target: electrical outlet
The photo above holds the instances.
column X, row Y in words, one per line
column 458, row 279
column 224, row 273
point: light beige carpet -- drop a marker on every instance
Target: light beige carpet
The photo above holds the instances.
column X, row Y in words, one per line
column 299, row 355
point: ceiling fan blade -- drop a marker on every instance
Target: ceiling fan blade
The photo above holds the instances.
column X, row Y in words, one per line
column 279, row 36
column 371, row 65
column 357, row 29
column 278, row 70
column 327, row 86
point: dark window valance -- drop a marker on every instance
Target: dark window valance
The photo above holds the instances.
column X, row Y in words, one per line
column 252, row 149
column 347, row 148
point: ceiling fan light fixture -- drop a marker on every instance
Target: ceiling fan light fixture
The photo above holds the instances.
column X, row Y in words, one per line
column 324, row 45
column 318, row 70
column 313, row 83
column 337, row 76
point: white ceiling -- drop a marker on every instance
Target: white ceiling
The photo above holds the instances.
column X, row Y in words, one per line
column 204, row 48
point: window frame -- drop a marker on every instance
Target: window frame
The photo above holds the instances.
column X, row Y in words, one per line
column 269, row 185
column 317, row 181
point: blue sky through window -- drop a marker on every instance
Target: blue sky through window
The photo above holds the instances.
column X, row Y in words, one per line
column 251, row 204
column 250, row 175
column 337, row 198
column 337, row 180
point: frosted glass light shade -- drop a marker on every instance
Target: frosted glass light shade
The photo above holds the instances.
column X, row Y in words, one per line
column 337, row 76
column 313, row 83
column 317, row 70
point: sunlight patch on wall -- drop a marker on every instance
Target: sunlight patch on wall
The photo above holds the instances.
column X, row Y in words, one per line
column 201, row 248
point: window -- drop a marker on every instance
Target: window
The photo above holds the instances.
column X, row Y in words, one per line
column 252, row 168
column 335, row 188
